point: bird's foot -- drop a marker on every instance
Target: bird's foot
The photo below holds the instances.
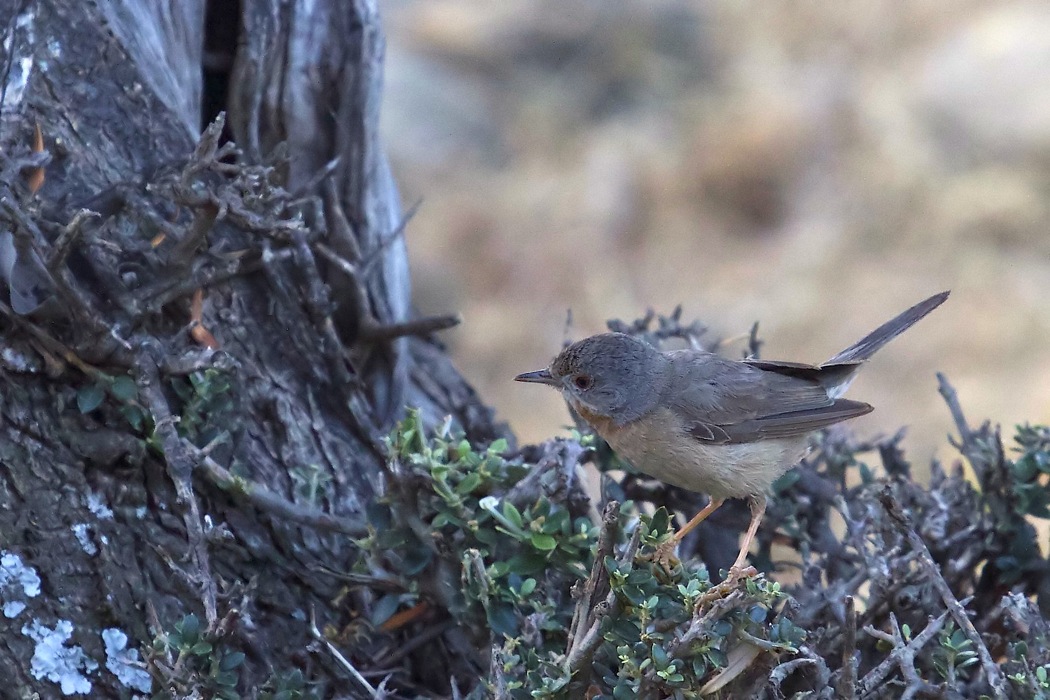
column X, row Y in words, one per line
column 739, row 573
column 664, row 555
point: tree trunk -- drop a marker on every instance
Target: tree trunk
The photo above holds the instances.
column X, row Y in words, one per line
column 202, row 348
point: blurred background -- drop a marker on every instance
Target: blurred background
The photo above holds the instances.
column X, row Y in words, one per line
column 816, row 167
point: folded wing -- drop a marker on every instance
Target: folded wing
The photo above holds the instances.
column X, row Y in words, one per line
column 721, row 401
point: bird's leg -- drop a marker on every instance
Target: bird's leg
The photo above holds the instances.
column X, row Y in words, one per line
column 758, row 509
column 700, row 517
column 665, row 552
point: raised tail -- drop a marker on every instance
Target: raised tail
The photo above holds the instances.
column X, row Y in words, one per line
column 872, row 342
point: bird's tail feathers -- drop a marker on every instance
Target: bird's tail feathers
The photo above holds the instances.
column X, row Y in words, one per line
column 872, row 342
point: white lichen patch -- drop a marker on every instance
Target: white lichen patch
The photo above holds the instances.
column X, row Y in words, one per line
column 125, row 663
column 56, row 662
column 18, row 361
column 13, row 609
column 21, row 67
column 15, row 574
column 98, row 506
column 83, row 535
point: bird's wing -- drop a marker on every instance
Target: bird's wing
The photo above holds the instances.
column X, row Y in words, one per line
column 723, row 401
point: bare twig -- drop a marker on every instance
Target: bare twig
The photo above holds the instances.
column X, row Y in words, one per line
column 848, row 678
column 416, row 641
column 340, row 659
column 598, row 580
column 180, row 470
column 203, row 220
column 933, row 575
column 902, row 656
column 807, row 658
column 580, row 656
column 368, row 328
column 66, row 239
column 499, row 680
column 319, row 304
column 157, row 295
column 316, row 179
column 952, row 399
column 268, row 501
column 380, row 332
column 52, row 345
column 376, row 253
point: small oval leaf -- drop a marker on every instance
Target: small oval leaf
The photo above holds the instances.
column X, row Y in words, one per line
column 90, row 397
column 124, row 388
column 544, row 543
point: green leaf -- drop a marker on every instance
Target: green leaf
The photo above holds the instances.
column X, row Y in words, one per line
column 201, row 649
column 470, row 482
column 231, row 661
column 527, row 563
column 625, row 628
column 90, row 397
column 660, row 522
column 134, row 415
column 639, row 577
column 527, row 587
column 384, row 608
column 502, row 620
column 189, row 628
column 1024, row 469
column 487, row 536
column 416, row 558
column 511, row 513
column 757, row 614
column 124, row 388
column 227, row 678
column 558, row 523
column 542, row 542
column 660, row 657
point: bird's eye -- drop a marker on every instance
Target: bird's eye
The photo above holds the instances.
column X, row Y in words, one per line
column 583, row 382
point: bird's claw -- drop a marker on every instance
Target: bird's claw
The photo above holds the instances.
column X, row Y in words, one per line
column 664, row 555
column 739, row 573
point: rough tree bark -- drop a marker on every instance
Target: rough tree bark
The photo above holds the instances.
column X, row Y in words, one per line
column 286, row 369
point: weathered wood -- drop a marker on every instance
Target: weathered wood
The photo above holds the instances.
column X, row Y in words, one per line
column 295, row 394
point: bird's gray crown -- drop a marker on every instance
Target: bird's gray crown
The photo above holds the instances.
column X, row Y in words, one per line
column 612, row 374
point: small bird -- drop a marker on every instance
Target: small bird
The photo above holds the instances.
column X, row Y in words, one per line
column 690, row 418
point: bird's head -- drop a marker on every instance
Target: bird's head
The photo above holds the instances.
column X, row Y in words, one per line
column 611, row 375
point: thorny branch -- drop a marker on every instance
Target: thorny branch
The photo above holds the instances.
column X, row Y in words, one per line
column 180, row 471
column 580, row 654
column 598, row 582
column 266, row 500
column 933, row 575
column 902, row 656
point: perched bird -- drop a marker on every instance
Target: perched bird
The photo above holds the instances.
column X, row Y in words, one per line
column 705, row 423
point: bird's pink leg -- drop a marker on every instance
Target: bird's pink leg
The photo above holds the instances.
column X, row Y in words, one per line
column 700, row 517
column 758, row 509
column 664, row 554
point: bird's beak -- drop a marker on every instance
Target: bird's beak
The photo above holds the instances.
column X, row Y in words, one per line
column 540, row 376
